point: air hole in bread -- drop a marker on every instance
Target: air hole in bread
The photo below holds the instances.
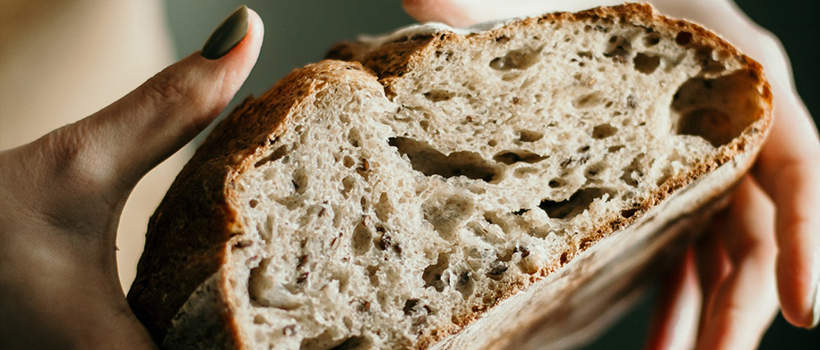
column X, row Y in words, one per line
column 325, row 342
column 500, row 219
column 429, row 161
column 618, row 48
column 628, row 213
column 496, row 270
column 353, row 137
column 384, row 209
column 433, row 275
column 338, row 275
column 651, row 39
column 259, row 319
column 348, row 162
column 300, row 181
column 414, row 307
column 516, row 59
column 603, row 131
column 276, row 155
column 645, row 63
column 522, row 172
column 632, row 101
column 575, row 204
column 709, row 123
column 708, row 62
column 633, row 172
column 360, row 242
column 518, row 156
column 594, row 170
column 425, row 125
column 464, row 284
column 667, row 174
column 589, row 100
column 717, row 110
column 373, row 275
column 348, row 184
column 614, row 149
column 564, row 258
column 529, row 135
column 439, row 95
column 265, row 290
column 447, row 213
column 683, row 38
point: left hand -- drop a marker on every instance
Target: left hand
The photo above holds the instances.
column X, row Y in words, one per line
column 62, row 196
column 771, row 223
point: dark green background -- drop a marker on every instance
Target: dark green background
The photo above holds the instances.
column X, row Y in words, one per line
column 298, row 32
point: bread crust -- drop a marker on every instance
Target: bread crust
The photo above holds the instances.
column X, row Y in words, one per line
column 195, row 224
column 191, row 234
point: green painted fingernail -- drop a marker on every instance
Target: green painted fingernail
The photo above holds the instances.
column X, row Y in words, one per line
column 229, row 33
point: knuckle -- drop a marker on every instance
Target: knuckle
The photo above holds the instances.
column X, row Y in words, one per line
column 66, row 146
column 166, row 87
column 74, row 157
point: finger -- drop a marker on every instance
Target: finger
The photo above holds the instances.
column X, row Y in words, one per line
column 117, row 145
column 787, row 169
column 460, row 13
column 673, row 321
column 712, row 264
column 745, row 303
column 788, row 163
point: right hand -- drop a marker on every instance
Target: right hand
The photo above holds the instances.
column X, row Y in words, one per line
column 772, row 221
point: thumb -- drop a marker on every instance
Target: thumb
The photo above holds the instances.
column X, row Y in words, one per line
column 125, row 140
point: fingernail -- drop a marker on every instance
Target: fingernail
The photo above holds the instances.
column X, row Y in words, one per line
column 229, row 33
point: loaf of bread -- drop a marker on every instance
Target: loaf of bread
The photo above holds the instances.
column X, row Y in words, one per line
column 487, row 188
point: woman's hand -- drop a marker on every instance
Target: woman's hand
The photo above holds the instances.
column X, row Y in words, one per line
column 772, row 222
column 62, row 196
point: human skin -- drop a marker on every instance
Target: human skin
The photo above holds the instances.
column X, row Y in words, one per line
column 63, row 60
column 63, row 195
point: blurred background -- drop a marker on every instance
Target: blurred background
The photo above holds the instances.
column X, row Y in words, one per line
column 62, row 60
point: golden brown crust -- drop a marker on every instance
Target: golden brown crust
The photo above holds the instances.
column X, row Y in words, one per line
column 198, row 208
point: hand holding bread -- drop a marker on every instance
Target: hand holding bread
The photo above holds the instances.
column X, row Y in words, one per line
column 62, row 195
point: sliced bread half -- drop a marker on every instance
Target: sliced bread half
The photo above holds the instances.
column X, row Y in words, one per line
column 452, row 189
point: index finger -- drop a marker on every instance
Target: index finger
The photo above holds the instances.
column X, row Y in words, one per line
column 461, row 13
column 787, row 170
